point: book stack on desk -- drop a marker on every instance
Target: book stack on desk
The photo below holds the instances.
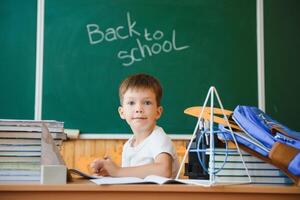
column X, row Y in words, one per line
column 234, row 171
column 20, row 148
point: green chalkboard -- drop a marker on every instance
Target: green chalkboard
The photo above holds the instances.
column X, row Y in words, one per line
column 190, row 45
column 282, row 44
column 17, row 66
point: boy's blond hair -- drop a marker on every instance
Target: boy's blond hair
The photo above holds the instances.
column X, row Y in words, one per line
column 141, row 81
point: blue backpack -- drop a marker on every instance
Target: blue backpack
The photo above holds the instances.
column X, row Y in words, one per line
column 267, row 139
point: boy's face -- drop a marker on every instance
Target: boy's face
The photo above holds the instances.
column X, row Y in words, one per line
column 140, row 110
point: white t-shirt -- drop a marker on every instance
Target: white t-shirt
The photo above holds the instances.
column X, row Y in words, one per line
column 146, row 152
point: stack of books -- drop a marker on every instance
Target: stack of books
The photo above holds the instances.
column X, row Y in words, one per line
column 20, row 148
column 231, row 169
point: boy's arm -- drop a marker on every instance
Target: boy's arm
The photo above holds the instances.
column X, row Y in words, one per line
column 162, row 166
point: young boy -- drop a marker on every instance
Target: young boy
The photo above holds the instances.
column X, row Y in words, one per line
column 149, row 151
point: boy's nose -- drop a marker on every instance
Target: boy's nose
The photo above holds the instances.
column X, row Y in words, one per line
column 139, row 109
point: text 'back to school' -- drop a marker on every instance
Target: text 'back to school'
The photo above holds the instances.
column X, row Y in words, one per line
column 147, row 43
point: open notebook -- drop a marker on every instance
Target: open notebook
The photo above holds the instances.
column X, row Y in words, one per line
column 152, row 179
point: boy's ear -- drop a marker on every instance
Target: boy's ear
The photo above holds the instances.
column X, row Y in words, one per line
column 159, row 112
column 121, row 112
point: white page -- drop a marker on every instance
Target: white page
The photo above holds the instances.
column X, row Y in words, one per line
column 199, row 182
column 157, row 179
column 117, row 180
column 149, row 179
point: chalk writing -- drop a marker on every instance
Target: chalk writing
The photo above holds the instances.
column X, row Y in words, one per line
column 155, row 42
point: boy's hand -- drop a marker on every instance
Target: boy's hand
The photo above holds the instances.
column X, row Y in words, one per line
column 104, row 167
column 97, row 166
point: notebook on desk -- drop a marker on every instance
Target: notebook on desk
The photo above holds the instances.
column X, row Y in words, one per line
column 151, row 179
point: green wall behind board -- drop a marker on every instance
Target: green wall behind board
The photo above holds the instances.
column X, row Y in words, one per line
column 17, row 58
column 282, row 44
column 81, row 79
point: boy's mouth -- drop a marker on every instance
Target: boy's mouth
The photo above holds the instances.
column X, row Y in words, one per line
column 139, row 118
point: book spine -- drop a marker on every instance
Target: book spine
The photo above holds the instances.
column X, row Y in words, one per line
column 25, row 142
column 239, row 165
column 30, row 128
column 252, row 173
column 21, row 166
column 25, row 153
column 260, row 180
column 29, row 135
column 19, row 173
column 12, row 159
column 19, row 178
column 237, row 158
column 51, row 123
column 13, row 148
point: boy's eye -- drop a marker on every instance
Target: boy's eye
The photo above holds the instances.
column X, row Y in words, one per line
column 148, row 102
column 130, row 103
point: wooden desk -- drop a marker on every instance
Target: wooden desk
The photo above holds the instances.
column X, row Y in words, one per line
column 83, row 189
